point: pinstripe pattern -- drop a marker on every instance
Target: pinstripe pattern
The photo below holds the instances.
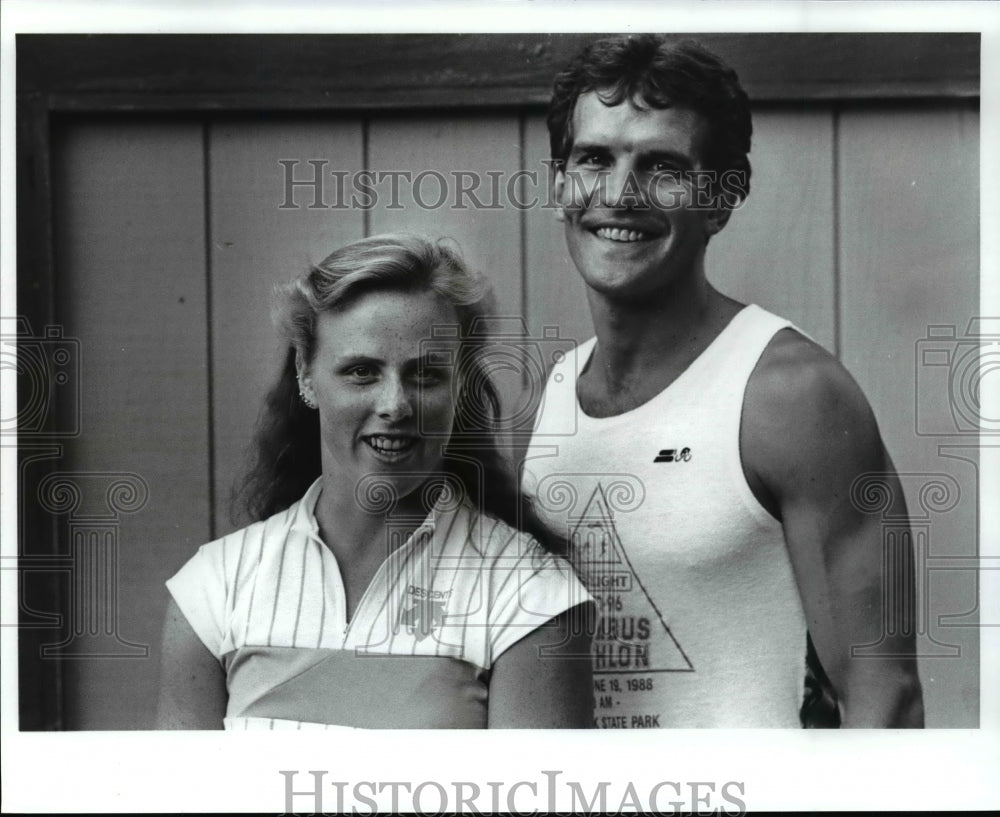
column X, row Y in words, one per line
column 463, row 586
column 302, row 592
column 322, row 618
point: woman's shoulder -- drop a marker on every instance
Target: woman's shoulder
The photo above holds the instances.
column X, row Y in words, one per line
column 257, row 532
column 495, row 538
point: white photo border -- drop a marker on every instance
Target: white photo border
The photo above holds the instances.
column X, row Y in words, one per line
column 149, row 771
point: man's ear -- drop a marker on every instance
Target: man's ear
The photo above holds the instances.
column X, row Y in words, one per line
column 717, row 219
column 558, row 188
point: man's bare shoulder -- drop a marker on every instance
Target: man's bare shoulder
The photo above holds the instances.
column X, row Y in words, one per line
column 803, row 412
column 795, row 373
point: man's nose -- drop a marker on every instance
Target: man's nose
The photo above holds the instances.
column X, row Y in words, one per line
column 620, row 187
column 395, row 401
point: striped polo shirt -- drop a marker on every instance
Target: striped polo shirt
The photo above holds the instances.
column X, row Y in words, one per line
column 268, row 602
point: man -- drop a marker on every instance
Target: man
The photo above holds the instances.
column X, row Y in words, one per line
column 707, row 490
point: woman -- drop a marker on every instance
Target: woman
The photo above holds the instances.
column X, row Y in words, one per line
column 380, row 587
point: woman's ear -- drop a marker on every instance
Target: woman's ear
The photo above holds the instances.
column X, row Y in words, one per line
column 304, row 376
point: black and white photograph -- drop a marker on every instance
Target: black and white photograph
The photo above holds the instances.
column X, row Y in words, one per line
column 465, row 393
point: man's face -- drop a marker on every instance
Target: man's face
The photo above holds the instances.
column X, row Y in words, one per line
column 632, row 226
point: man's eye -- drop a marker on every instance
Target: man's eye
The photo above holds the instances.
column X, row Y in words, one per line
column 666, row 171
column 590, row 160
column 428, row 375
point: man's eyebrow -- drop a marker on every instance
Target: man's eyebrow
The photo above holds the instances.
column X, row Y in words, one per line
column 434, row 357
column 351, row 358
column 674, row 156
column 589, row 147
column 645, row 155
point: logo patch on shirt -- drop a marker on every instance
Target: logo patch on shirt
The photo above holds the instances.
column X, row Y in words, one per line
column 423, row 610
column 673, row 455
column 632, row 636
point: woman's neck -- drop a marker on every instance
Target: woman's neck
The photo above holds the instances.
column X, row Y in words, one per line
column 352, row 525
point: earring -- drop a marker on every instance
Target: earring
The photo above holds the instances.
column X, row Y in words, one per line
column 310, row 403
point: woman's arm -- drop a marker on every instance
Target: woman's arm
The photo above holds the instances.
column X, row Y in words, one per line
column 544, row 681
column 192, row 683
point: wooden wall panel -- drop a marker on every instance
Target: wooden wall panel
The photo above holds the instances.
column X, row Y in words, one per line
column 490, row 238
column 777, row 250
column 256, row 243
column 130, row 256
column 909, row 194
column 555, row 292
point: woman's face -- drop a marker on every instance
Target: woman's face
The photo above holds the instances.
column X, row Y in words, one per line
column 385, row 404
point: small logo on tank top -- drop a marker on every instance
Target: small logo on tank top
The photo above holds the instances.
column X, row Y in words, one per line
column 673, row 455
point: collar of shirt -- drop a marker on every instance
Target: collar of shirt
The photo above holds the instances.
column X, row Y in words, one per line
column 304, row 514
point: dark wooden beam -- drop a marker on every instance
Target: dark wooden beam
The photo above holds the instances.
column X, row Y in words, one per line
column 331, row 72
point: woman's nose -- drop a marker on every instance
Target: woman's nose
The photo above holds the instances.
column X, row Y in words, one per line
column 395, row 403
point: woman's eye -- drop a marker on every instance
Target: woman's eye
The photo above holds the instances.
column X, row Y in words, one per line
column 361, row 372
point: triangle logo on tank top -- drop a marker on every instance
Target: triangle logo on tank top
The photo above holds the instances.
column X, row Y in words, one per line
column 631, row 634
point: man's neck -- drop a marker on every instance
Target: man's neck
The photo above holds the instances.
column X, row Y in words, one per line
column 648, row 333
column 642, row 347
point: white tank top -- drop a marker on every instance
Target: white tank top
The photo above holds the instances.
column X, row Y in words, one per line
column 701, row 625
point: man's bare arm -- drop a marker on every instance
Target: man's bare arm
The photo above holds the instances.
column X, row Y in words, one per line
column 808, row 433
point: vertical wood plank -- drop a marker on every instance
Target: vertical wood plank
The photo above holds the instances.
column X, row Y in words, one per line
column 477, row 145
column 441, row 156
column 556, row 295
column 910, row 260
column 131, row 288
column 777, row 250
column 266, row 230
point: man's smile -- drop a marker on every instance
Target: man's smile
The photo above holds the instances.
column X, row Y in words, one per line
column 621, row 235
